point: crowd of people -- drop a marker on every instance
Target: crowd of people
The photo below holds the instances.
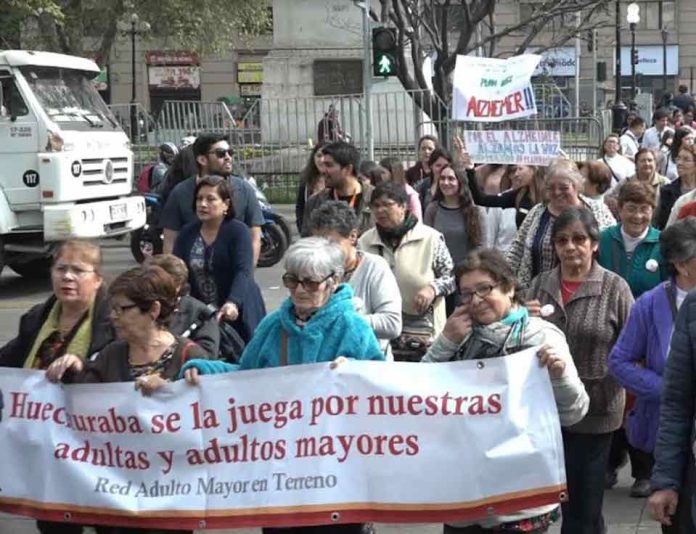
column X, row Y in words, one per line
column 444, row 260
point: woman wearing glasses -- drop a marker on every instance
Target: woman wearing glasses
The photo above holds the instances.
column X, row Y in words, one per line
column 590, row 305
column 421, row 263
column 142, row 301
column 218, row 252
column 74, row 320
column 532, row 251
column 317, row 323
column 490, row 322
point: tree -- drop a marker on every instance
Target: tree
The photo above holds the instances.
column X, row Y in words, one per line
column 451, row 27
column 78, row 26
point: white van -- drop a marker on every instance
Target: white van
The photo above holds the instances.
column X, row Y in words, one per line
column 66, row 168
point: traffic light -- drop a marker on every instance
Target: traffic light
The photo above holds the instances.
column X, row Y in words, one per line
column 634, row 56
column 384, row 52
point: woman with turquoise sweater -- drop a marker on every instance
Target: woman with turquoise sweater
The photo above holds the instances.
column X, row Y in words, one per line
column 318, row 323
column 631, row 249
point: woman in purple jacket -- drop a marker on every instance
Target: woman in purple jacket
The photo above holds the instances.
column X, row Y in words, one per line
column 638, row 359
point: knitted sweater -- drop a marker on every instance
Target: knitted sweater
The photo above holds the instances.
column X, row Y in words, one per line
column 520, row 255
column 637, row 271
column 334, row 330
column 568, row 391
column 377, row 297
column 592, row 321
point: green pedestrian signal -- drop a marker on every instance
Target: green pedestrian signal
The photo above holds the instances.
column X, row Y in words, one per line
column 384, row 52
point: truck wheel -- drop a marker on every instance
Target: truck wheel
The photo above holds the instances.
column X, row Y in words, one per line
column 273, row 245
column 37, row 268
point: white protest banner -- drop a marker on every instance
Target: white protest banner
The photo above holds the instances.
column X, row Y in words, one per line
column 493, row 90
column 518, row 147
column 300, row 445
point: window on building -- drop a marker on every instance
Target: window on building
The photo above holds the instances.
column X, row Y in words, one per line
column 655, row 15
column 529, row 11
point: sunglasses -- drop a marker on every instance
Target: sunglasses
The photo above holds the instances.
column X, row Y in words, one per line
column 312, row 286
column 222, row 152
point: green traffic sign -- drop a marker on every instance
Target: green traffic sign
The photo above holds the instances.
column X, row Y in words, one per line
column 385, row 66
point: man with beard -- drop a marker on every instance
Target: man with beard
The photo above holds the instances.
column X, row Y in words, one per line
column 340, row 162
column 213, row 156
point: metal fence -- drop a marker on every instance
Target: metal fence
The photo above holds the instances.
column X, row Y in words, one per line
column 274, row 139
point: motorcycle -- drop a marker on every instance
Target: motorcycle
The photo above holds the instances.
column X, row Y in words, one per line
column 276, row 236
column 275, row 231
column 148, row 241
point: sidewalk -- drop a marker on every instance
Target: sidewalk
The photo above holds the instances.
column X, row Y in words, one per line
column 622, row 514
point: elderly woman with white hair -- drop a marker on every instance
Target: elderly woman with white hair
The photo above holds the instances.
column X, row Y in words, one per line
column 532, row 251
column 318, row 323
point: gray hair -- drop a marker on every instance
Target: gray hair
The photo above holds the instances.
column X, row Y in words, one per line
column 568, row 169
column 315, row 257
column 678, row 242
column 334, row 216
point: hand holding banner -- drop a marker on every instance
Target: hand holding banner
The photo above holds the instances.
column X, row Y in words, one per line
column 493, row 90
column 301, row 445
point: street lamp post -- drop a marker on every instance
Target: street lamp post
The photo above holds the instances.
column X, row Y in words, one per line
column 633, row 18
column 665, row 34
column 618, row 110
column 136, row 28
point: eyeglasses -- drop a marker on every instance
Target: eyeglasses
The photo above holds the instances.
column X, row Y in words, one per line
column 480, row 291
column 577, row 240
column 222, row 152
column 63, row 269
column 312, row 286
column 120, row 310
column 634, row 210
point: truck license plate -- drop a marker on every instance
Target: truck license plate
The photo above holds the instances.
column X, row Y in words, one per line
column 118, row 212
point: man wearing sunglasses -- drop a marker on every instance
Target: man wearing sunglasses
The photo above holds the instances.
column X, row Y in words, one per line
column 213, row 156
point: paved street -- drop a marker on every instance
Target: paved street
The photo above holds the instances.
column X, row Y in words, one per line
column 622, row 513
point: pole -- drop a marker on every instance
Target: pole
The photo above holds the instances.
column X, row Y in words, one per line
column 133, row 113
column 594, row 73
column 617, row 90
column 664, row 61
column 577, row 64
column 634, row 80
column 367, row 81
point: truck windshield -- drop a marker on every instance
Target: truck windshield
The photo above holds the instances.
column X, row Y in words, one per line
column 69, row 98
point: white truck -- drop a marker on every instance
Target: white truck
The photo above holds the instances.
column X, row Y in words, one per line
column 66, row 166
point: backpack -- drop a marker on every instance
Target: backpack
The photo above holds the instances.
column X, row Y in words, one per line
column 144, row 178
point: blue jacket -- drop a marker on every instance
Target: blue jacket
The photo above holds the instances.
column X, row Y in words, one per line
column 638, row 360
column 233, row 271
column 334, row 330
column 612, row 256
column 674, row 437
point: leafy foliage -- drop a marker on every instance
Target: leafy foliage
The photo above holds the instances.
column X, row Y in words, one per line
column 66, row 26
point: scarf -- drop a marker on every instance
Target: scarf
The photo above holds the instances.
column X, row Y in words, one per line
column 497, row 339
column 77, row 345
column 392, row 236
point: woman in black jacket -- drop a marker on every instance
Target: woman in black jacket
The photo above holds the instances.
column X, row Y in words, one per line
column 217, row 251
column 73, row 320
